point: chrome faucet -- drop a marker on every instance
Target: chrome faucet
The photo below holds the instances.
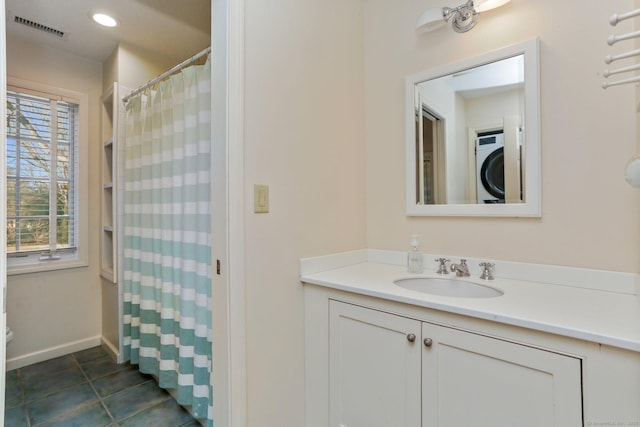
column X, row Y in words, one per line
column 461, row 269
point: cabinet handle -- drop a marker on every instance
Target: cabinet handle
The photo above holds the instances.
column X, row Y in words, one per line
column 411, row 337
column 428, row 342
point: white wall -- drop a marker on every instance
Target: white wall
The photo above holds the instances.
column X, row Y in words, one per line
column 304, row 136
column 589, row 213
column 137, row 66
column 487, row 111
column 47, row 310
column 459, row 152
column 441, row 98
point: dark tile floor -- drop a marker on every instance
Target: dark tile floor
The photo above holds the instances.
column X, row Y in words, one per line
column 88, row 389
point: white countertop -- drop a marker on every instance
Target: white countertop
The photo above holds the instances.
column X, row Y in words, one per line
column 604, row 317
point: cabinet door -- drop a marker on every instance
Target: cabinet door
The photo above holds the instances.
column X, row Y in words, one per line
column 473, row 380
column 374, row 368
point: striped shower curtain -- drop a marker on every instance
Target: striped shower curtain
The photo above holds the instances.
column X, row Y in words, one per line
column 167, row 251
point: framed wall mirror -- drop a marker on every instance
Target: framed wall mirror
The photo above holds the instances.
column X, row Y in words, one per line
column 473, row 136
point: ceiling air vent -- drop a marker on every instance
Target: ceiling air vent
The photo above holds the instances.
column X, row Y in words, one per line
column 38, row 26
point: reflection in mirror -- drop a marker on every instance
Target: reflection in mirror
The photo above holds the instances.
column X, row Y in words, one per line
column 473, row 144
column 430, row 164
column 489, row 100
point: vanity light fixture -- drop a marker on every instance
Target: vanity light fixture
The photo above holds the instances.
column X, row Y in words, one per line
column 462, row 18
column 104, row 19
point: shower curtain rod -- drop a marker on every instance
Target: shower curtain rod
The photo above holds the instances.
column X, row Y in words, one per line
column 166, row 74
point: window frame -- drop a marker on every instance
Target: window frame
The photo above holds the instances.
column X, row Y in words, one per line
column 68, row 259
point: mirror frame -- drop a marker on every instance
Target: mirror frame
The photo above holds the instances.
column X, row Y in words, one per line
column 532, row 206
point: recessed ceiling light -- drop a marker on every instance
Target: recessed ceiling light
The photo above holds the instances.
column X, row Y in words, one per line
column 104, row 19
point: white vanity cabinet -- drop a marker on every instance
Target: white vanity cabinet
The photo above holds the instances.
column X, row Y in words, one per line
column 389, row 370
column 470, row 379
column 563, row 352
column 374, row 368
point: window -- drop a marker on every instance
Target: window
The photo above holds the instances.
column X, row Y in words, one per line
column 44, row 226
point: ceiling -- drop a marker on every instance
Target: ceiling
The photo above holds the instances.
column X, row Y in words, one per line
column 173, row 28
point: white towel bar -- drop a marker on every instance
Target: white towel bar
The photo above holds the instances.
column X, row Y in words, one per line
column 610, row 58
column 615, row 18
column 615, row 39
column 620, row 82
column 632, row 174
column 608, row 73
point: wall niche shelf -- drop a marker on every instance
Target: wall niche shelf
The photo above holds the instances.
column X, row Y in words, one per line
column 112, row 134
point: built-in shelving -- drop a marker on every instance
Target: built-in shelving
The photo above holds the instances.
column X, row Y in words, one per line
column 111, row 134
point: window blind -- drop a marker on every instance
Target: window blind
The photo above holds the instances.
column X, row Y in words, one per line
column 42, row 134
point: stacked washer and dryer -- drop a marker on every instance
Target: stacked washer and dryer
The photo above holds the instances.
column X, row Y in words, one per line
column 490, row 167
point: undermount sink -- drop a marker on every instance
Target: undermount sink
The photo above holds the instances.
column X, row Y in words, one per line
column 448, row 287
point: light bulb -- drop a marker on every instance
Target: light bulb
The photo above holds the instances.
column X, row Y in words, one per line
column 104, row 20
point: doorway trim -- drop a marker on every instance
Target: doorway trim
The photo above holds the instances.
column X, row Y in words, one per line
column 3, row 203
column 229, row 325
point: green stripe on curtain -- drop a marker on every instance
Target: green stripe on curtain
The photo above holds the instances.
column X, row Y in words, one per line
column 167, row 236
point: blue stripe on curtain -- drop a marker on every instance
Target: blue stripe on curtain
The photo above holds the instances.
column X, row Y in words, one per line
column 167, row 246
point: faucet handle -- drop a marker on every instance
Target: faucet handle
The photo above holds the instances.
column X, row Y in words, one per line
column 487, row 270
column 442, row 268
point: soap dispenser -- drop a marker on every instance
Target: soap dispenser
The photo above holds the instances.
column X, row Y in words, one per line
column 414, row 257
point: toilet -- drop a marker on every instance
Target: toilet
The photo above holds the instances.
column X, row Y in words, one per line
column 9, row 335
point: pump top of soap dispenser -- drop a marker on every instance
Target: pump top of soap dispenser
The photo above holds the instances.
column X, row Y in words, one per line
column 414, row 241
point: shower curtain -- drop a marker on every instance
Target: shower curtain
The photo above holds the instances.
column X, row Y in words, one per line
column 166, row 244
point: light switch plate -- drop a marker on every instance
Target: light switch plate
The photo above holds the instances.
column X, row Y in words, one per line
column 260, row 198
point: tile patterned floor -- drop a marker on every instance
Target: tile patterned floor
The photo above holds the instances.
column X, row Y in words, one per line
column 88, row 389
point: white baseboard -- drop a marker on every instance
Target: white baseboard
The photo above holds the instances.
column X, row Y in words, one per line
column 52, row 352
column 111, row 349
